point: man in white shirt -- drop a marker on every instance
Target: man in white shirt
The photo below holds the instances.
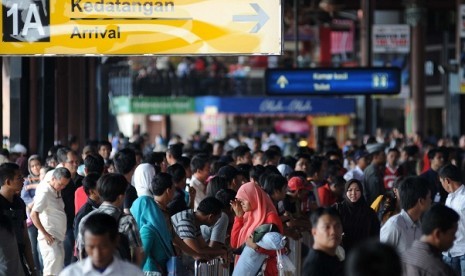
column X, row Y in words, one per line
column 403, row 229
column 201, row 169
column 361, row 159
column 100, row 239
column 451, row 181
column 49, row 216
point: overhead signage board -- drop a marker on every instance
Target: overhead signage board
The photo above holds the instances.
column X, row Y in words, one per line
column 333, row 81
column 138, row 27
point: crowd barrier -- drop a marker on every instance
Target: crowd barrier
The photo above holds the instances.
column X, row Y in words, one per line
column 215, row 267
column 295, row 254
column 211, row 268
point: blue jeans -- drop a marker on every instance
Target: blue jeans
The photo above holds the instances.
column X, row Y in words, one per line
column 457, row 263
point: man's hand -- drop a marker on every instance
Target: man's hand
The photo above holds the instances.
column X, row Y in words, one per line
column 192, row 192
column 49, row 238
column 201, row 257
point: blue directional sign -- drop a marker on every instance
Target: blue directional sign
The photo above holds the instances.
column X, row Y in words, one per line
column 333, row 81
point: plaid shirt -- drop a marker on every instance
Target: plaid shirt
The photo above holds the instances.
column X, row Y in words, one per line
column 126, row 225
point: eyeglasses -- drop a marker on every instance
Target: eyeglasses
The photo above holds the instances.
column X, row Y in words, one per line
column 72, row 162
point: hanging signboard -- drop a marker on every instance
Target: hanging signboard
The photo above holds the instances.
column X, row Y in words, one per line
column 333, row 81
column 391, row 39
column 136, row 27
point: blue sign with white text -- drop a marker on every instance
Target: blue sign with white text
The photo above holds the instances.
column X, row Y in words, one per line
column 333, row 81
column 272, row 105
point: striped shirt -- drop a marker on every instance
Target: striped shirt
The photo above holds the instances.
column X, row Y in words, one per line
column 422, row 259
column 184, row 224
column 126, row 225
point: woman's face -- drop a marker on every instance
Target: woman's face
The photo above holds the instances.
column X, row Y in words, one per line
column 111, row 169
column 164, row 165
column 354, row 193
column 301, row 165
column 35, row 167
column 246, row 207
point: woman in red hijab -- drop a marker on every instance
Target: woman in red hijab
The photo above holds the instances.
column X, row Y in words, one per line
column 253, row 207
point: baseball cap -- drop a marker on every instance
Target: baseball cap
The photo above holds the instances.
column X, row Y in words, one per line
column 296, row 183
column 226, row 159
column 360, row 154
column 372, row 148
column 18, row 148
column 284, row 169
column 228, row 172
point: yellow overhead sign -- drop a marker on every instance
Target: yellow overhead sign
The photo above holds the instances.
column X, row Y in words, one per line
column 135, row 27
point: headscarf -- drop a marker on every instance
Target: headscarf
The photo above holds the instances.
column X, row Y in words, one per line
column 32, row 177
column 146, row 212
column 142, row 179
column 359, row 221
column 261, row 206
column 360, row 203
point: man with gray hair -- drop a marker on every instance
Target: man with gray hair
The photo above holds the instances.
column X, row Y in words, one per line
column 48, row 215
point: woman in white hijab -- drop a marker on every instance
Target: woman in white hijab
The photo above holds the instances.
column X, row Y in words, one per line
column 142, row 178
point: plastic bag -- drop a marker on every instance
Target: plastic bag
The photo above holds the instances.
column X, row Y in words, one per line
column 285, row 264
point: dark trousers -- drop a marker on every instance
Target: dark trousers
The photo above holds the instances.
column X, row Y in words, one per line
column 33, row 232
column 69, row 246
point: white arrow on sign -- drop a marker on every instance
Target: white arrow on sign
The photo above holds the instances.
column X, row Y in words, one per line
column 282, row 81
column 261, row 17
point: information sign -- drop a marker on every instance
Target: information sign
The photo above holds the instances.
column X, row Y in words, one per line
column 333, row 81
column 136, row 27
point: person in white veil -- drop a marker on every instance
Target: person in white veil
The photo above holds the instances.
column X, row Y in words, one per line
column 142, row 178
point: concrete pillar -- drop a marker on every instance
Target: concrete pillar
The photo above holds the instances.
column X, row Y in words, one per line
column 368, row 118
column 415, row 15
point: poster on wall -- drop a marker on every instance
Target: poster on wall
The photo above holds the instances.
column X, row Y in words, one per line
column 391, row 39
column 391, row 47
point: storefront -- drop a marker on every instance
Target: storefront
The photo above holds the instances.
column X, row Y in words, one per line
column 311, row 118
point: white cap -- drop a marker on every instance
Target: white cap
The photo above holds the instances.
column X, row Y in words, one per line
column 371, row 148
column 19, row 149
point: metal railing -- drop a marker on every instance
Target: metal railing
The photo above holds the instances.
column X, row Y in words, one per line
column 214, row 267
column 122, row 82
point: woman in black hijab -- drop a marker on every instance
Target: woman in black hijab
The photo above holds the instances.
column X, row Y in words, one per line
column 359, row 221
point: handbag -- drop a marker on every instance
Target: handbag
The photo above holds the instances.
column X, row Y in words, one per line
column 263, row 229
column 175, row 266
column 152, row 273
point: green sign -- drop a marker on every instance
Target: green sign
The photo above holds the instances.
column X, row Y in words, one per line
column 152, row 105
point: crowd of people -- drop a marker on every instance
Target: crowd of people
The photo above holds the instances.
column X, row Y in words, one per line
column 377, row 208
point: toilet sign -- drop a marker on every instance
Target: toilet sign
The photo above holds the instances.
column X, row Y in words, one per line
column 138, row 27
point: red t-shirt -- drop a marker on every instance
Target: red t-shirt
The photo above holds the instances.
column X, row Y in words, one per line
column 80, row 198
column 389, row 176
column 327, row 197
